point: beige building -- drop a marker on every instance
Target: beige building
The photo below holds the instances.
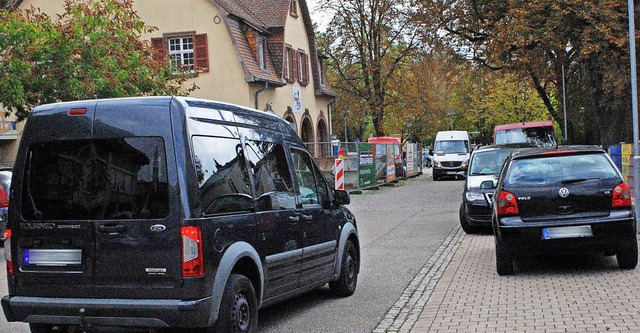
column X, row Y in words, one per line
column 255, row 53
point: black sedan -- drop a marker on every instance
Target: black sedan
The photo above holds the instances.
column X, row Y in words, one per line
column 562, row 201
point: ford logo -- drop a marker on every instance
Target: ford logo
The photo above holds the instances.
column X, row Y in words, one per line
column 158, row 228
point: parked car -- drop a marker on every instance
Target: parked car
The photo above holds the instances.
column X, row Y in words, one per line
column 477, row 197
column 560, row 201
column 5, row 185
column 168, row 212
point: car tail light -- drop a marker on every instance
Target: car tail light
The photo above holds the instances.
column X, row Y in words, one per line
column 7, row 251
column 4, row 198
column 621, row 196
column 192, row 261
column 507, row 204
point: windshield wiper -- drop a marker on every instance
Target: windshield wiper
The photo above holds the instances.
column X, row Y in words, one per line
column 577, row 180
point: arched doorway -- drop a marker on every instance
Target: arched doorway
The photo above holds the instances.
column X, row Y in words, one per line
column 291, row 119
column 323, row 138
column 306, row 133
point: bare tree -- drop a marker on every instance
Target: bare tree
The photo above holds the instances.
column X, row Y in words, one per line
column 367, row 42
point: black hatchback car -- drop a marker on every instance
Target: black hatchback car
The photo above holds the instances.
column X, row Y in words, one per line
column 562, row 201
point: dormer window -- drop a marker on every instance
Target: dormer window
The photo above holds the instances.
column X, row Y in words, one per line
column 293, row 8
column 261, row 52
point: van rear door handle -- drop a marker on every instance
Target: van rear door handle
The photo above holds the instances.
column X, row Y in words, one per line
column 111, row 229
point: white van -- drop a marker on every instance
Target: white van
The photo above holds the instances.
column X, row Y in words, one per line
column 450, row 153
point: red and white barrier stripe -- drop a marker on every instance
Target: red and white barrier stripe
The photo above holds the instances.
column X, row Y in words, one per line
column 339, row 171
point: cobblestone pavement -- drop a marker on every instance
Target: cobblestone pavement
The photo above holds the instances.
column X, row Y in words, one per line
column 458, row 290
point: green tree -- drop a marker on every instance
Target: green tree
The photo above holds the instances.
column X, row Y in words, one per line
column 93, row 50
column 537, row 39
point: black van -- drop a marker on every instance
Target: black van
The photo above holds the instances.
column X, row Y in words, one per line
column 168, row 212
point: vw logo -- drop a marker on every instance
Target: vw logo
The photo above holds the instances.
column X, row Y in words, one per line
column 158, row 228
column 564, row 192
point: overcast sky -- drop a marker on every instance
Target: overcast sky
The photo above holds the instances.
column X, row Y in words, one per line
column 317, row 16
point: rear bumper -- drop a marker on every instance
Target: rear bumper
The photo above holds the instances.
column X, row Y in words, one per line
column 610, row 234
column 108, row 312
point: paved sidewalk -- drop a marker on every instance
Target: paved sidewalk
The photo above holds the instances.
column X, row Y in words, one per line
column 546, row 294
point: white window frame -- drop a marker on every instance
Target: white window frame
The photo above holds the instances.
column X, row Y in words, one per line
column 182, row 55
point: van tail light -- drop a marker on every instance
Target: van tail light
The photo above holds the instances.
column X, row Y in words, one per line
column 4, row 198
column 7, row 251
column 621, row 196
column 507, row 204
column 192, row 261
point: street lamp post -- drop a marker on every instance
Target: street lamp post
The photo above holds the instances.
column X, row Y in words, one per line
column 451, row 114
column 346, row 115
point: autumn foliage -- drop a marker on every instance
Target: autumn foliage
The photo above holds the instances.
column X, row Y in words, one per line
column 92, row 51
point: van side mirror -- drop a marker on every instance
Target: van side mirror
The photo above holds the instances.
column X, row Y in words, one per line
column 487, row 184
column 430, row 152
column 341, row 197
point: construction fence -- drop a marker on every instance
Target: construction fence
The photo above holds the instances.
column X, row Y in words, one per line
column 367, row 165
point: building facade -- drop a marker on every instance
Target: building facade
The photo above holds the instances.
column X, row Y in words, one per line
column 255, row 53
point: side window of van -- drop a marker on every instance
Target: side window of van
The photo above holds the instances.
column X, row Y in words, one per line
column 104, row 179
column 222, row 174
column 305, row 174
column 272, row 179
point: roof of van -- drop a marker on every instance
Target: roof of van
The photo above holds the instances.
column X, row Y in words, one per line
column 283, row 126
column 526, row 124
column 443, row 135
column 190, row 101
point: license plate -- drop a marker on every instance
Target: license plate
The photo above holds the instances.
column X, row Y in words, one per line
column 567, row 232
column 53, row 257
column 451, row 172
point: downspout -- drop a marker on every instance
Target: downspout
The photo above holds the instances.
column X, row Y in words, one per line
column 266, row 85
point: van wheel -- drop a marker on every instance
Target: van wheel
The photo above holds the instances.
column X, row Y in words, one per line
column 46, row 328
column 239, row 307
column 504, row 262
column 346, row 283
column 628, row 255
column 464, row 223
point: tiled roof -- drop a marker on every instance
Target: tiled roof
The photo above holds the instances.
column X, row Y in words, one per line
column 272, row 12
column 253, row 72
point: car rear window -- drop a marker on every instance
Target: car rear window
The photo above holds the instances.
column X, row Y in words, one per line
column 124, row 178
column 566, row 169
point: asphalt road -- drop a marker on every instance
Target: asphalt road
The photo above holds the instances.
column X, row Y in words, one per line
column 400, row 228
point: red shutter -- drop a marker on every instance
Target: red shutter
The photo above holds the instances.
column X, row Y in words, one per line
column 202, row 53
column 305, row 68
column 160, row 47
column 295, row 65
column 292, row 65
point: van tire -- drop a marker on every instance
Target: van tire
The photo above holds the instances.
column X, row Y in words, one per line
column 346, row 284
column 239, row 307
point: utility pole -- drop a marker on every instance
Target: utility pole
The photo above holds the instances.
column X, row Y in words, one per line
column 634, row 103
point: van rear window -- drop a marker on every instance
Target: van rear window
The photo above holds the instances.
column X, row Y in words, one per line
column 107, row 179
